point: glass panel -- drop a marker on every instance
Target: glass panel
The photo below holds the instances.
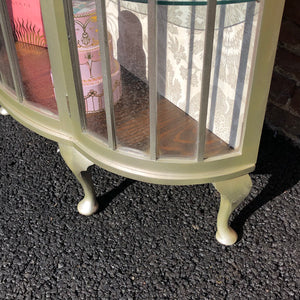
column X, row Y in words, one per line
column 180, row 46
column 5, row 72
column 180, row 67
column 180, row 53
column 31, row 47
column 88, row 48
column 234, row 47
column 129, row 32
column 127, row 43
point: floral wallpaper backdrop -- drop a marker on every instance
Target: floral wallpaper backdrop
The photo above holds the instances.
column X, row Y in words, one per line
column 180, row 55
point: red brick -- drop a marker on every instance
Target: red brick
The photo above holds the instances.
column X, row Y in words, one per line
column 290, row 33
column 283, row 119
column 292, row 10
column 288, row 62
column 281, row 89
column 295, row 103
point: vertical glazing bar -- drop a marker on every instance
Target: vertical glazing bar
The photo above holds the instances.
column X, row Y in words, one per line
column 152, row 69
column 68, row 8
column 207, row 58
column 11, row 49
column 107, row 86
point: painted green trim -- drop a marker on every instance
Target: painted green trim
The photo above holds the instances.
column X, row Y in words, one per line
column 206, row 75
column 152, row 77
column 61, row 64
column 31, row 117
column 261, row 78
column 179, row 172
column 55, row 30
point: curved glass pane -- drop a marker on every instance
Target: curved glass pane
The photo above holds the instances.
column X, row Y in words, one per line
column 31, row 48
column 231, row 74
column 5, row 72
column 179, row 43
column 130, row 40
column 90, row 65
column 127, row 62
column 180, row 77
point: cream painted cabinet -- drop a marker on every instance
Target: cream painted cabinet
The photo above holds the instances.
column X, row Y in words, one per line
column 167, row 92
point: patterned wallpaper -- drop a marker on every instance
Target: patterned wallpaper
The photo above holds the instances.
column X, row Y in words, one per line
column 180, row 56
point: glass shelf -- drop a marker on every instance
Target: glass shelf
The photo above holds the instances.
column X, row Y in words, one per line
column 194, row 3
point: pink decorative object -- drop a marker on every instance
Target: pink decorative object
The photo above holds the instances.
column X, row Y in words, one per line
column 85, row 20
column 27, row 21
column 93, row 91
column 90, row 61
column 85, row 24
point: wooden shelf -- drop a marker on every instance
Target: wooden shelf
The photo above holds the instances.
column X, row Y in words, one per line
column 35, row 72
column 177, row 131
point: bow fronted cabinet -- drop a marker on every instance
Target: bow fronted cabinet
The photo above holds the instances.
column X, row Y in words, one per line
column 167, row 92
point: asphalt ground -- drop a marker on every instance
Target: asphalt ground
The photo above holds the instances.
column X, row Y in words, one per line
column 147, row 241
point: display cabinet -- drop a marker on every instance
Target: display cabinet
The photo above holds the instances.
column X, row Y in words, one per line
column 167, row 92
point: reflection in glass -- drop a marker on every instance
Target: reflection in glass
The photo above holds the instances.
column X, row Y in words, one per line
column 127, row 73
column 231, row 70
column 129, row 32
column 179, row 64
column 181, row 31
column 87, row 43
column 5, row 71
column 181, row 36
column 31, row 47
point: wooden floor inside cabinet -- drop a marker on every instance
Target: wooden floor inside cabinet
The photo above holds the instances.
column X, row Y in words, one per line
column 177, row 131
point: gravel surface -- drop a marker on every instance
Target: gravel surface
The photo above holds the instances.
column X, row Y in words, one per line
column 148, row 241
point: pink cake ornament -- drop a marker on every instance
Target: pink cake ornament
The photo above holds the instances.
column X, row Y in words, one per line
column 27, row 22
column 85, row 21
column 90, row 61
column 94, row 94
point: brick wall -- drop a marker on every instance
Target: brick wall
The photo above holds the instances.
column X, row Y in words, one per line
column 283, row 111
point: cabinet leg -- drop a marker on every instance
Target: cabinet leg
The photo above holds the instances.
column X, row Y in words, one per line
column 233, row 192
column 3, row 111
column 78, row 164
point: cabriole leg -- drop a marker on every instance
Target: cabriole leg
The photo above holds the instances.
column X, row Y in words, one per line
column 78, row 164
column 3, row 111
column 233, row 192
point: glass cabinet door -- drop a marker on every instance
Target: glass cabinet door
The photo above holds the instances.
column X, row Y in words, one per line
column 30, row 45
column 177, row 73
column 205, row 55
column 129, row 91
